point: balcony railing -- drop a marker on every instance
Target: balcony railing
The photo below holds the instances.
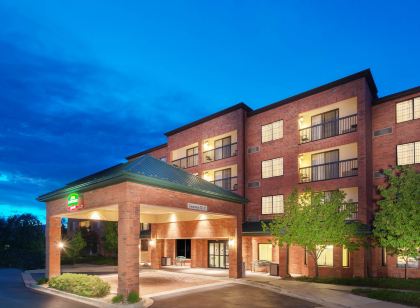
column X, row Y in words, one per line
column 220, row 153
column 334, row 170
column 186, row 162
column 354, row 212
column 227, row 183
column 328, row 129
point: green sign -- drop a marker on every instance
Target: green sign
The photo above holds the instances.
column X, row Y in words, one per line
column 73, row 199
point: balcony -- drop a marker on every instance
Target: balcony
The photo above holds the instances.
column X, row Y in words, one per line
column 227, row 183
column 219, row 153
column 328, row 171
column 186, row 162
column 328, row 129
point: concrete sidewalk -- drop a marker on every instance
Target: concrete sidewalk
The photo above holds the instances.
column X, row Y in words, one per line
column 327, row 295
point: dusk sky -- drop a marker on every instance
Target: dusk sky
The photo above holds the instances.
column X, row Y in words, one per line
column 83, row 84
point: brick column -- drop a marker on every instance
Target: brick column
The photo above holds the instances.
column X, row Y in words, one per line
column 128, row 247
column 53, row 237
column 235, row 251
column 283, row 261
column 157, row 253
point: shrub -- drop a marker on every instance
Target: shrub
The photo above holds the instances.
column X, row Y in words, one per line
column 42, row 280
column 133, row 297
column 118, row 299
column 80, row 284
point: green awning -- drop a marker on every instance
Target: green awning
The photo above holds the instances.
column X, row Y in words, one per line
column 150, row 171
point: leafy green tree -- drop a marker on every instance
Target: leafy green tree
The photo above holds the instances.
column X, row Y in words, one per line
column 75, row 245
column 111, row 237
column 313, row 221
column 397, row 223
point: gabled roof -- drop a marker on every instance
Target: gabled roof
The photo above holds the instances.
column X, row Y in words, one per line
column 150, row 171
column 158, row 147
column 397, row 95
column 208, row 118
column 362, row 74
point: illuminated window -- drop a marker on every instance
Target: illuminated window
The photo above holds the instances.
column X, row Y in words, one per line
column 272, row 131
column 408, row 110
column 346, row 257
column 272, row 167
column 326, row 256
column 408, row 153
column 412, row 262
column 272, row 204
column 265, row 252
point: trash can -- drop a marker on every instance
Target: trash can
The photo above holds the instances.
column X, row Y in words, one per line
column 274, row 269
column 166, row 261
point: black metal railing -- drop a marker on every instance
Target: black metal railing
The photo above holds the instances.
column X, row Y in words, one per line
column 355, row 210
column 328, row 129
column 334, row 170
column 186, row 162
column 227, row 183
column 222, row 152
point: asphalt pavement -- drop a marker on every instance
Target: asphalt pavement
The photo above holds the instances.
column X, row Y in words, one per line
column 14, row 294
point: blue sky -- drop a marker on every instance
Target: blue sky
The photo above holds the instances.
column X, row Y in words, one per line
column 85, row 83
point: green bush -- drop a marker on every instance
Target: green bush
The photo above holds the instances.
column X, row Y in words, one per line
column 133, row 297
column 118, row 299
column 401, row 297
column 80, row 284
column 42, row 280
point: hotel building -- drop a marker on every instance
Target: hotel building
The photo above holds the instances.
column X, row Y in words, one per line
column 242, row 164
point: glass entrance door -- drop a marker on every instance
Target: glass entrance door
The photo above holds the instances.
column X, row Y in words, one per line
column 218, row 254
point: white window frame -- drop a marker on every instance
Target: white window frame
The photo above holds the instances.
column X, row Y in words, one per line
column 413, row 149
column 272, row 167
column 272, row 131
column 272, row 204
column 407, row 110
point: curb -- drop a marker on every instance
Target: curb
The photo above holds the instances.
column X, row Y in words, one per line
column 31, row 284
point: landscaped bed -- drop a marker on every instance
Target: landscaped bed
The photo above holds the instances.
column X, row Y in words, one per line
column 388, row 283
column 400, row 297
column 80, row 284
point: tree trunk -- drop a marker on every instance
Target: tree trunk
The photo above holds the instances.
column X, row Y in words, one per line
column 405, row 269
column 316, row 269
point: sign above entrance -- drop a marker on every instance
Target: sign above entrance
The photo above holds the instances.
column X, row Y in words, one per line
column 74, row 202
column 197, row 207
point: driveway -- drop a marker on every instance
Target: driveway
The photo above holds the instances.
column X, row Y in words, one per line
column 13, row 293
column 229, row 295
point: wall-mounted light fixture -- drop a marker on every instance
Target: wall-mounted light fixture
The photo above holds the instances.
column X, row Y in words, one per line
column 95, row 216
column 231, row 242
column 152, row 242
column 61, row 245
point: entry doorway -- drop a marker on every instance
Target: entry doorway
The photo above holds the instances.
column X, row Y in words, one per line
column 218, row 254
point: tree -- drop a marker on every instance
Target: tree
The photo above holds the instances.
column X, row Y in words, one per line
column 397, row 223
column 314, row 221
column 111, row 237
column 75, row 245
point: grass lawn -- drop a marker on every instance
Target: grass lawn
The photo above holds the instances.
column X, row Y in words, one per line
column 388, row 283
column 400, row 297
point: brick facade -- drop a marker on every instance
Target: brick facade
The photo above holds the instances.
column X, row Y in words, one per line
column 372, row 154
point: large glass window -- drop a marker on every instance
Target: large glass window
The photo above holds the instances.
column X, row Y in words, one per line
column 265, row 252
column 183, row 248
column 272, row 167
column 408, row 110
column 326, row 257
column 408, row 153
column 272, row 131
column 272, row 204
column 412, row 262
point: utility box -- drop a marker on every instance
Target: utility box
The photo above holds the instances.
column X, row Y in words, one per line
column 274, row 269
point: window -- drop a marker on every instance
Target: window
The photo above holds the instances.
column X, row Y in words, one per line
column 383, row 131
column 326, row 257
column 272, row 131
column 144, row 226
column 412, row 262
column 408, row 110
column 408, row 153
column 346, row 257
column 272, row 167
column 272, row 204
column 183, row 248
column 265, row 252
column 383, row 256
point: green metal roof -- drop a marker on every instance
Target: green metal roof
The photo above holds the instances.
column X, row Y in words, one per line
column 150, row 171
